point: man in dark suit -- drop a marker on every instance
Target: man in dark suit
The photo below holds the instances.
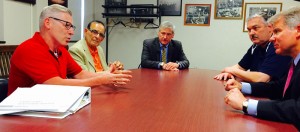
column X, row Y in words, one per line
column 285, row 93
column 162, row 52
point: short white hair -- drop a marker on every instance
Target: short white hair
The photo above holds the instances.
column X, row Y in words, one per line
column 167, row 24
column 261, row 15
column 52, row 10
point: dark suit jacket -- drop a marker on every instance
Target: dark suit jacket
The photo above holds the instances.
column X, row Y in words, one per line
column 151, row 54
column 283, row 109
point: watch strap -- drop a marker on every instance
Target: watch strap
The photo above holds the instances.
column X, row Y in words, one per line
column 245, row 106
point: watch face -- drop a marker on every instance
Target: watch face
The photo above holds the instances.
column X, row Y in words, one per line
column 245, row 103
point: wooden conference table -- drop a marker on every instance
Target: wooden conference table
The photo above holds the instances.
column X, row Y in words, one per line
column 154, row 101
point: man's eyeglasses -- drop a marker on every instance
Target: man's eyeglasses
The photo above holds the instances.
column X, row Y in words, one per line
column 68, row 25
column 95, row 32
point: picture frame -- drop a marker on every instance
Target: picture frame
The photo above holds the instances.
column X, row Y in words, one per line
column 197, row 14
column 252, row 8
column 60, row 2
column 28, row 1
column 116, row 3
column 170, row 7
column 229, row 9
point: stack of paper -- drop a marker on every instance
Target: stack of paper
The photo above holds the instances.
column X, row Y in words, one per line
column 52, row 101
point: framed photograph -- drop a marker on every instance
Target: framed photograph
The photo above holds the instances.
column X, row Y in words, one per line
column 61, row 2
column 269, row 9
column 197, row 14
column 116, row 3
column 229, row 9
column 170, row 7
column 28, row 1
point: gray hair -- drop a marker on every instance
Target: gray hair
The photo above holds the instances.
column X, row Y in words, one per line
column 167, row 24
column 261, row 15
column 52, row 10
column 291, row 17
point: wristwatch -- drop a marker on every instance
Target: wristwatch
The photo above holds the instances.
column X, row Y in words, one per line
column 245, row 106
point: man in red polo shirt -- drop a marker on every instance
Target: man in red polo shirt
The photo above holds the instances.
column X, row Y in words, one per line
column 43, row 59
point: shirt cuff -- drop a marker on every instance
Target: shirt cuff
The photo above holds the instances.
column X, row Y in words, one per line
column 179, row 66
column 246, row 88
column 252, row 107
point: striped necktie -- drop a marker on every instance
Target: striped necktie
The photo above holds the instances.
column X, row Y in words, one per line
column 164, row 54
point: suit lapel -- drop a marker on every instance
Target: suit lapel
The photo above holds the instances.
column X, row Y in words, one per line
column 88, row 55
column 157, row 48
column 102, row 58
column 170, row 51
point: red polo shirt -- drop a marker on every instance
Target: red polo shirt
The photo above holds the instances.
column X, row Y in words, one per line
column 33, row 63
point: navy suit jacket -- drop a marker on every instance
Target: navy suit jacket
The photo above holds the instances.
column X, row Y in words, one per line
column 283, row 109
column 151, row 54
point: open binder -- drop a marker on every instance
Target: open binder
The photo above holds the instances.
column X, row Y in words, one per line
column 49, row 101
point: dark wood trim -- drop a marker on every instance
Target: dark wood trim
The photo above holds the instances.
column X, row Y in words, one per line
column 73, row 41
column 8, row 48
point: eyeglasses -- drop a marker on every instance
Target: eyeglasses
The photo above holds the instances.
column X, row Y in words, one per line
column 68, row 25
column 95, row 32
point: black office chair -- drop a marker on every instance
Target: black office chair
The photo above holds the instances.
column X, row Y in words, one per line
column 6, row 52
column 3, row 88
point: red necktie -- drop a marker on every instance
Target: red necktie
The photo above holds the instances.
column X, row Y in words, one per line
column 288, row 80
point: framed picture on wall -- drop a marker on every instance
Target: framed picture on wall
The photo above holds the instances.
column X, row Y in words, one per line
column 266, row 9
column 61, row 2
column 170, row 7
column 116, row 3
column 197, row 14
column 229, row 9
column 28, row 1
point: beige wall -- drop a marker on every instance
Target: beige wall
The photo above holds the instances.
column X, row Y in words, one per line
column 1, row 22
column 17, row 21
column 221, row 44
column 21, row 20
column 214, row 47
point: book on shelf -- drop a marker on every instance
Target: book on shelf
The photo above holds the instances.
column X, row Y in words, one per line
column 49, row 101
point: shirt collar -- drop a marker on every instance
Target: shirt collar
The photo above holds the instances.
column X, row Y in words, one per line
column 161, row 45
column 296, row 60
column 93, row 51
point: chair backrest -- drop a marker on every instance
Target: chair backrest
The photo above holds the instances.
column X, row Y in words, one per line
column 6, row 52
column 3, row 89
